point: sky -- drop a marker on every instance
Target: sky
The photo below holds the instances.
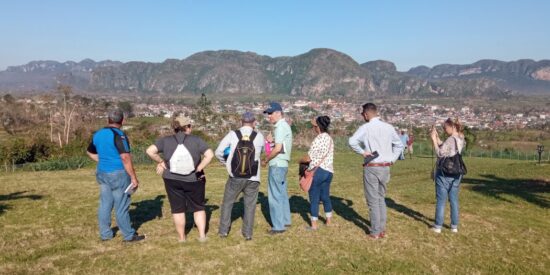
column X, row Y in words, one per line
column 408, row 32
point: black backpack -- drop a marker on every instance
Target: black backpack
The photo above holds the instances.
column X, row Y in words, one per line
column 243, row 164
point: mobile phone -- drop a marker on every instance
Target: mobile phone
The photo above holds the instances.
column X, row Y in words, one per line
column 371, row 157
column 130, row 190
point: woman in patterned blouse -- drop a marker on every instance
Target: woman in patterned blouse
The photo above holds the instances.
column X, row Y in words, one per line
column 446, row 186
column 320, row 156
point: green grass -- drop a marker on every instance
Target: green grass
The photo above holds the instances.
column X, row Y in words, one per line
column 48, row 225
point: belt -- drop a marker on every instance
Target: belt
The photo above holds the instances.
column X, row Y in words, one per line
column 378, row 164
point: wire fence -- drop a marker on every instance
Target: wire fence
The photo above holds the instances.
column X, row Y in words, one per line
column 425, row 149
column 340, row 144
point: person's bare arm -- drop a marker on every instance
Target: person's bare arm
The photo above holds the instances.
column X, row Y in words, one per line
column 436, row 142
column 153, row 153
column 129, row 167
column 93, row 156
column 208, row 156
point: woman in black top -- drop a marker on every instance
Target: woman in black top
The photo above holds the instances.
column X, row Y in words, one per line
column 186, row 191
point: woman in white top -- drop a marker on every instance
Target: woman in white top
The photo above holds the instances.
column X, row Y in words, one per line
column 320, row 156
column 447, row 186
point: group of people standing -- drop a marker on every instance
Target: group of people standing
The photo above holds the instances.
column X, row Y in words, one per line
column 182, row 157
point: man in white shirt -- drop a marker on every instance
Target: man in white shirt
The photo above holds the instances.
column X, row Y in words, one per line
column 376, row 136
column 243, row 167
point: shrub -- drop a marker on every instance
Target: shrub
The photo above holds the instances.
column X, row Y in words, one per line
column 58, row 164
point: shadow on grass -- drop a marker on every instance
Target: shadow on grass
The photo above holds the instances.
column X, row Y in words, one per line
column 530, row 190
column 343, row 207
column 409, row 212
column 16, row 196
column 146, row 210
column 297, row 205
column 190, row 221
column 237, row 211
column 300, row 206
column 262, row 199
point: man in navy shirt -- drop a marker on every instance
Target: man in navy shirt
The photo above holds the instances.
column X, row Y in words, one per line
column 110, row 148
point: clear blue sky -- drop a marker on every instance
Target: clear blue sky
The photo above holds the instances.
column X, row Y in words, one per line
column 407, row 32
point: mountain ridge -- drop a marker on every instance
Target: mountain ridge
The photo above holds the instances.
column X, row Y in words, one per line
column 318, row 72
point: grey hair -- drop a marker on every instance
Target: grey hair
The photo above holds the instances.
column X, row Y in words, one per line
column 116, row 116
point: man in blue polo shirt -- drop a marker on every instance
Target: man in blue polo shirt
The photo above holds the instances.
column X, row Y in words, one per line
column 110, row 148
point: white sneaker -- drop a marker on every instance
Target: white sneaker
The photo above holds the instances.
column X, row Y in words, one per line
column 436, row 230
column 454, row 230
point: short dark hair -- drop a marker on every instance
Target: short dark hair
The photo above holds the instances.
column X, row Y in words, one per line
column 369, row 107
column 115, row 116
column 323, row 122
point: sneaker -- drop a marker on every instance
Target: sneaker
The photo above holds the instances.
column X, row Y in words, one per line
column 222, row 235
column 135, row 238
column 275, row 232
column 436, row 230
column 382, row 234
column 454, row 230
column 246, row 237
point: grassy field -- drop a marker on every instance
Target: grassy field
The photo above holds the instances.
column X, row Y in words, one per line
column 48, row 225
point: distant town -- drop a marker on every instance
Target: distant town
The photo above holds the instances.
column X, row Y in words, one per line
column 411, row 115
column 401, row 115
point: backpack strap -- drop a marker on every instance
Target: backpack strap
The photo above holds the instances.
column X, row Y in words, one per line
column 326, row 154
column 113, row 130
column 121, row 136
column 456, row 146
column 253, row 135
column 176, row 138
column 239, row 134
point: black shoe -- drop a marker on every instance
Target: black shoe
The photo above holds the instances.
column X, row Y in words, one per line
column 288, row 225
column 275, row 232
column 222, row 235
column 135, row 238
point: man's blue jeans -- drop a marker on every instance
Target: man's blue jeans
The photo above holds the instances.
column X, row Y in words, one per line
column 320, row 191
column 446, row 187
column 112, row 186
column 277, row 196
